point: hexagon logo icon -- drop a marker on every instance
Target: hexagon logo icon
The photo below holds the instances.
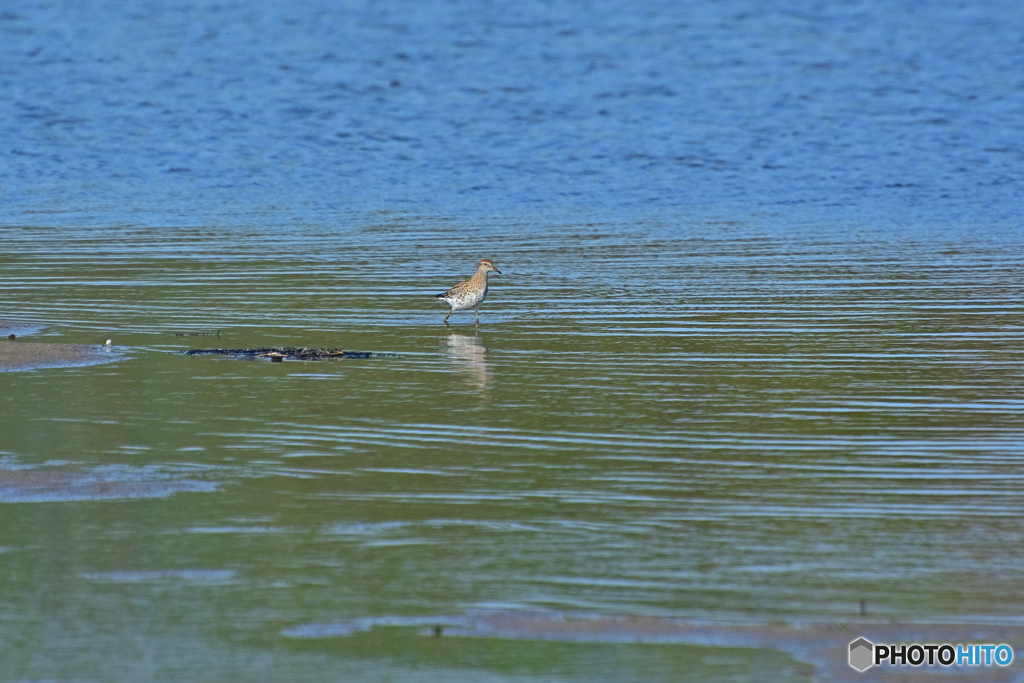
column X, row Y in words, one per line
column 862, row 654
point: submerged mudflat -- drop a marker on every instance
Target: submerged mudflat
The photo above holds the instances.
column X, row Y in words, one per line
column 11, row 327
column 28, row 484
column 823, row 646
column 17, row 355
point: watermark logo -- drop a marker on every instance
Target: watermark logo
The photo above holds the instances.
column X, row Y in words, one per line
column 864, row 654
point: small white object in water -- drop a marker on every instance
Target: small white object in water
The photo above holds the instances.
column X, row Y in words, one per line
column 108, row 343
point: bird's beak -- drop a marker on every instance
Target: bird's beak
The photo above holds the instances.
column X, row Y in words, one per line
column 497, row 271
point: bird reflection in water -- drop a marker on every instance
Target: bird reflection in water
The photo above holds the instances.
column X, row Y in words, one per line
column 469, row 355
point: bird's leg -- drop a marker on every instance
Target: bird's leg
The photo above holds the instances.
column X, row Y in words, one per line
column 446, row 318
column 477, row 311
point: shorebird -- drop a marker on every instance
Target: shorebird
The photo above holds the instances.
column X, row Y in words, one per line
column 471, row 293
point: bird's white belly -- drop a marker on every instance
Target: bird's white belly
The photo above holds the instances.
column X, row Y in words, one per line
column 465, row 300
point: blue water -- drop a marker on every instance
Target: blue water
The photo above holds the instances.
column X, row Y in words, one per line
column 867, row 112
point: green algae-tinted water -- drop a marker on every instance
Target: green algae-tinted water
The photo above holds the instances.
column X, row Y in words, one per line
column 726, row 423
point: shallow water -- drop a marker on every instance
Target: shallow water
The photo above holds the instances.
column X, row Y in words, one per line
column 755, row 357
column 748, row 427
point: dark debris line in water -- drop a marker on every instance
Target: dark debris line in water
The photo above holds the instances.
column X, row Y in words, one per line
column 279, row 354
